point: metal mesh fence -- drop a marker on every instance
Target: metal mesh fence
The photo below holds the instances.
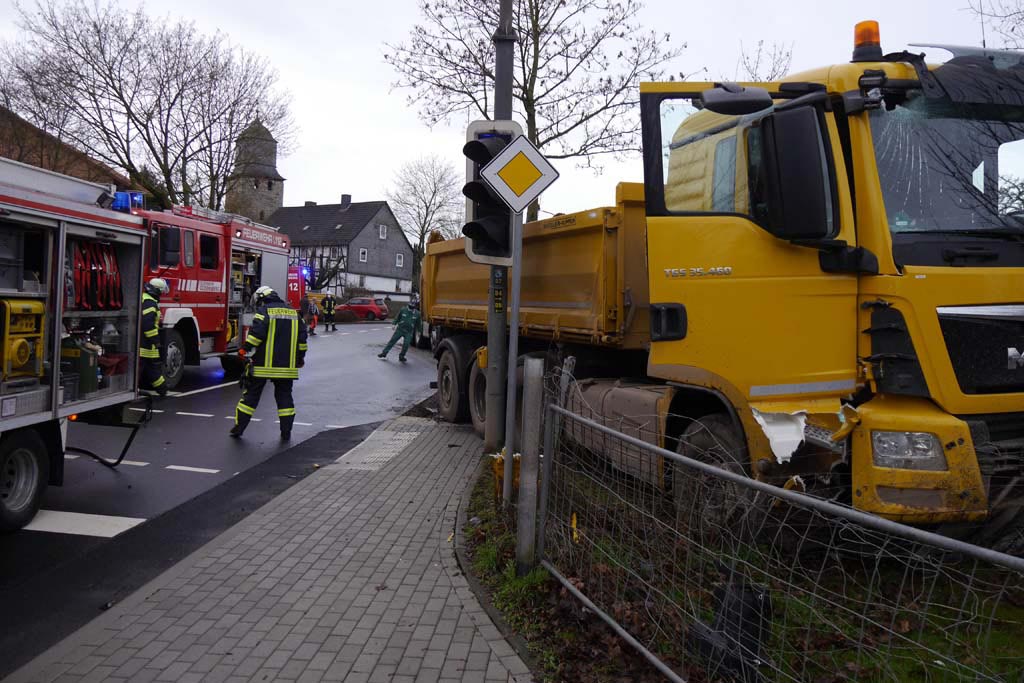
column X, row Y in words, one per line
column 721, row 578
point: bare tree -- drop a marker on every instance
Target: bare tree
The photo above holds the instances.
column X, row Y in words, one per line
column 577, row 66
column 426, row 196
column 155, row 100
column 765, row 63
column 1004, row 18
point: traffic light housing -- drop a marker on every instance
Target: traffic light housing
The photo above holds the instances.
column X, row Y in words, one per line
column 488, row 227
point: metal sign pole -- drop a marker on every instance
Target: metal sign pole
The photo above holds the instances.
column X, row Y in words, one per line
column 513, row 352
column 504, row 39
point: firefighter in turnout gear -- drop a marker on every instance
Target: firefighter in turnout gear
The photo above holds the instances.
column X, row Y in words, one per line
column 328, row 305
column 149, row 349
column 406, row 322
column 276, row 346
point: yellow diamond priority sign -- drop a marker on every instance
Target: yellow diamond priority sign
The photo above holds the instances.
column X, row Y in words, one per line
column 519, row 173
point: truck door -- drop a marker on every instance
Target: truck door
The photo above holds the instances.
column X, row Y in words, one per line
column 751, row 289
column 211, row 289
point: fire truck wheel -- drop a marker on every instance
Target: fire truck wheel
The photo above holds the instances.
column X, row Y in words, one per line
column 174, row 358
column 478, row 398
column 233, row 366
column 24, row 472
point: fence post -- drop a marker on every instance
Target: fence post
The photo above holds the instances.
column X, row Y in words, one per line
column 526, row 519
column 552, row 420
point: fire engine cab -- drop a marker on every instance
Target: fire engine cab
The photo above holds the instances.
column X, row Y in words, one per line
column 212, row 262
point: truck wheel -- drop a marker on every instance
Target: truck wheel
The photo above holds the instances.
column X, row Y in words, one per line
column 174, row 358
column 233, row 366
column 24, row 473
column 451, row 389
column 710, row 505
column 422, row 341
column 478, row 398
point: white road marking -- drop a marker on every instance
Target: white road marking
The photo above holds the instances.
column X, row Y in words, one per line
column 199, row 391
column 68, row 456
column 135, row 463
column 251, row 419
column 104, row 526
column 303, row 424
column 183, row 468
column 182, row 412
column 336, row 426
column 345, row 334
column 142, row 410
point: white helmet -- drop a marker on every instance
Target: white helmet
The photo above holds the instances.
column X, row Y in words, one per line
column 262, row 292
column 159, row 284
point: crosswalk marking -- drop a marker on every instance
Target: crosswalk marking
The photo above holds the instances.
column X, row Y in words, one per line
column 251, row 419
column 182, row 412
column 335, row 426
column 142, row 410
column 104, row 526
column 184, row 468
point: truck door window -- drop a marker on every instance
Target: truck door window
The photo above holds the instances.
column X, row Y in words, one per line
column 209, row 252
column 190, row 248
column 165, row 247
column 701, row 155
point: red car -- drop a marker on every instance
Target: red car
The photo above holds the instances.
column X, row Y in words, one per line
column 365, row 307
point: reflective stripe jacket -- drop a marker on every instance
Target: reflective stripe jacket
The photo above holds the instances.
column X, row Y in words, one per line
column 150, row 347
column 278, row 336
column 328, row 304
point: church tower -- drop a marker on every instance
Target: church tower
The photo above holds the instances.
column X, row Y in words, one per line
column 256, row 189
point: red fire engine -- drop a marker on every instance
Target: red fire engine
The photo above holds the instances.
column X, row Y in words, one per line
column 213, row 262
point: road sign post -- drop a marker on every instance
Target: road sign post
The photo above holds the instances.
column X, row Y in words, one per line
column 518, row 174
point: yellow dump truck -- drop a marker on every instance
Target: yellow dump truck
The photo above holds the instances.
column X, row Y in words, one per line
column 827, row 271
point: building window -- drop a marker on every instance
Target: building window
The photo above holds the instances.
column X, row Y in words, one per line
column 383, row 230
column 399, row 260
column 363, row 255
column 362, row 281
column 270, row 184
column 261, row 215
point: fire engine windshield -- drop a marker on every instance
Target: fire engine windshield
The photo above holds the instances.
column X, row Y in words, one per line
column 950, row 167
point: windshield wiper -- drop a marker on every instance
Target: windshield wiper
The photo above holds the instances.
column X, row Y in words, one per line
column 1013, row 234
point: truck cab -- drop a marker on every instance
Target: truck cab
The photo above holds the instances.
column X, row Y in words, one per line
column 842, row 252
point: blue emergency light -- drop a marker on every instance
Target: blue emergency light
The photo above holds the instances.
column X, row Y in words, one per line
column 126, row 201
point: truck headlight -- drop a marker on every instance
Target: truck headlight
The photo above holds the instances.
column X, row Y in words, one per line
column 908, row 451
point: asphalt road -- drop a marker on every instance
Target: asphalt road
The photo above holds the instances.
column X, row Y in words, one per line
column 106, row 532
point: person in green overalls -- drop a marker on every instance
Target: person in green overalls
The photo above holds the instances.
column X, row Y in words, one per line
column 406, row 322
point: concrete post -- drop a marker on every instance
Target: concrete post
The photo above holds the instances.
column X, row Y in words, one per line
column 552, row 423
column 526, row 518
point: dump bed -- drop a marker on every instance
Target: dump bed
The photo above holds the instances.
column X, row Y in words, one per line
column 584, row 278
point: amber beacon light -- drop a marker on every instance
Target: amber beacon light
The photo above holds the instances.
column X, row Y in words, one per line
column 867, row 42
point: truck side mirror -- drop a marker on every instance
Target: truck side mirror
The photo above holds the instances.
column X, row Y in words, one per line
column 792, row 193
column 731, row 99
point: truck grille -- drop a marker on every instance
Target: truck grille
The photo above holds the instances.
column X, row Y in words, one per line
column 984, row 343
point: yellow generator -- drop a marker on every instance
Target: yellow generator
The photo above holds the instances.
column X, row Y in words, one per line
column 21, row 338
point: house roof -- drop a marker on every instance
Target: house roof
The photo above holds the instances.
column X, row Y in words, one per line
column 256, row 131
column 318, row 224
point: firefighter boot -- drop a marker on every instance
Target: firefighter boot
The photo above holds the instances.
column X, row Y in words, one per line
column 286, row 426
column 241, row 422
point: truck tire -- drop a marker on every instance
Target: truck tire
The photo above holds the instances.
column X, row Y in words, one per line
column 174, row 358
column 709, row 505
column 233, row 366
column 422, row 340
column 478, row 398
column 24, row 473
column 452, row 399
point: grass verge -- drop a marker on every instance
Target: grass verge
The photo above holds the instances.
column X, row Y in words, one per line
column 567, row 642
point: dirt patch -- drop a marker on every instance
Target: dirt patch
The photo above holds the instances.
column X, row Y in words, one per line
column 566, row 642
column 425, row 408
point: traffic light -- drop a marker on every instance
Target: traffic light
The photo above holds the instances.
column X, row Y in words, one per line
column 488, row 218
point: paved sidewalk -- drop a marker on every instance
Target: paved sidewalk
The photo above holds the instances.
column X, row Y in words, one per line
column 350, row 575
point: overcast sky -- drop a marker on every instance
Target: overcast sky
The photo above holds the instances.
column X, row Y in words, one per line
column 354, row 131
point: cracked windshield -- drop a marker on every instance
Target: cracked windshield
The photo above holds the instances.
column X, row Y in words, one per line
column 947, row 167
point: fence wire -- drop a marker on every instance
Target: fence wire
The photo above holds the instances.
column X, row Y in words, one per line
column 721, row 578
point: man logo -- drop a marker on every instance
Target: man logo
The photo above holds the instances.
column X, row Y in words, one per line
column 1015, row 359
